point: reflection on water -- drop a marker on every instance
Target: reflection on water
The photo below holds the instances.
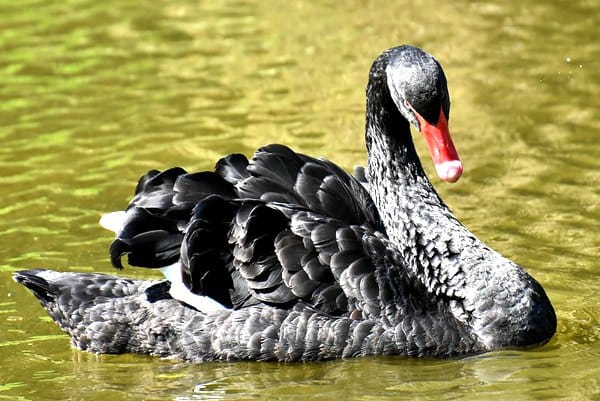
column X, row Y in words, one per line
column 483, row 377
column 94, row 94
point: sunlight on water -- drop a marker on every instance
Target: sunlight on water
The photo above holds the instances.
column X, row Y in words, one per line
column 95, row 94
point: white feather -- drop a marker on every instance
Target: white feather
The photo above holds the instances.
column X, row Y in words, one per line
column 114, row 221
column 181, row 293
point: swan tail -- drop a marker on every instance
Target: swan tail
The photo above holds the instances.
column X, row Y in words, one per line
column 63, row 294
column 34, row 280
column 108, row 314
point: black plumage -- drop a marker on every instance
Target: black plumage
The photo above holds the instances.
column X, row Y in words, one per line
column 301, row 260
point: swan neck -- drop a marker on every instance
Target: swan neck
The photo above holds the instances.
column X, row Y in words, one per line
column 394, row 171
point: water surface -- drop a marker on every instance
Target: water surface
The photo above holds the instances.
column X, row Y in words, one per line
column 94, row 94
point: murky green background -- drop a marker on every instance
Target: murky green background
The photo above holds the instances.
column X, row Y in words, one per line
column 92, row 94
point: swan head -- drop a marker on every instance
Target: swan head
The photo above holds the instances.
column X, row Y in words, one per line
column 418, row 87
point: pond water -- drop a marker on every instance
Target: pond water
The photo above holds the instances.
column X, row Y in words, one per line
column 93, row 94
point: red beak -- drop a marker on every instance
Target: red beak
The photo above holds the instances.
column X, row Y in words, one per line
column 444, row 155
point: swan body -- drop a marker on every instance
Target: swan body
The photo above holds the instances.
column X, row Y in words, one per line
column 288, row 257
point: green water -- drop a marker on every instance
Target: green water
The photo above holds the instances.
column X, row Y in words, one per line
column 92, row 94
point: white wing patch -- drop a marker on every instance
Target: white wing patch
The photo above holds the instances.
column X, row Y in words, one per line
column 181, row 293
column 113, row 221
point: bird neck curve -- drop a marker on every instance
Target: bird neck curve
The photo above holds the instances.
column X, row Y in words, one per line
column 396, row 176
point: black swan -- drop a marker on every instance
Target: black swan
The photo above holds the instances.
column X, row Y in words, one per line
column 287, row 257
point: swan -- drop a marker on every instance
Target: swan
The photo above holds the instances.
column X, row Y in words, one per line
column 286, row 257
